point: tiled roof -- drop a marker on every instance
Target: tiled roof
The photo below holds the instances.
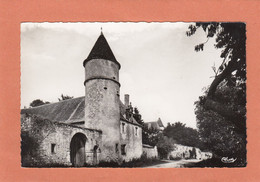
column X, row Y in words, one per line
column 154, row 124
column 160, row 122
column 101, row 50
column 68, row 111
column 122, row 113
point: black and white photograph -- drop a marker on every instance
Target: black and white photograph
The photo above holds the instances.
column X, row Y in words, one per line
column 133, row 94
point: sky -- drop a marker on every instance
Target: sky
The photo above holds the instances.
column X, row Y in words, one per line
column 160, row 70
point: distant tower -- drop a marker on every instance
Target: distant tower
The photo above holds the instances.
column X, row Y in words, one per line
column 102, row 101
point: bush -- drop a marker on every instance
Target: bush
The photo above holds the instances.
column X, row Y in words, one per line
column 136, row 162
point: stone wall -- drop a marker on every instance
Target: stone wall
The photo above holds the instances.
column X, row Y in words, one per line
column 184, row 152
column 206, row 155
column 47, row 144
column 131, row 138
column 101, row 68
column 150, row 151
column 187, row 152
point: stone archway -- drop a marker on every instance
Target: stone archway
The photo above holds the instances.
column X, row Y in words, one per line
column 77, row 150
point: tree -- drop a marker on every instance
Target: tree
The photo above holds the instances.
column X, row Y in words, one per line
column 150, row 136
column 65, row 97
column 38, row 102
column 221, row 110
column 165, row 145
column 230, row 37
column 156, row 138
column 219, row 133
column 182, row 134
column 138, row 116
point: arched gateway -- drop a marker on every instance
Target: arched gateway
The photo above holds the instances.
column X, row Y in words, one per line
column 77, row 150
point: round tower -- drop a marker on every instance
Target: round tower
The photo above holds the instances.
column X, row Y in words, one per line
column 102, row 110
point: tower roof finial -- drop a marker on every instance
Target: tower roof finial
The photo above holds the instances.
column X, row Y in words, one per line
column 101, row 31
column 101, row 50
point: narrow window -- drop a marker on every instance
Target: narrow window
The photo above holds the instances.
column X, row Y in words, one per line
column 105, row 88
column 116, row 147
column 123, row 127
column 123, row 151
column 53, row 148
column 136, row 129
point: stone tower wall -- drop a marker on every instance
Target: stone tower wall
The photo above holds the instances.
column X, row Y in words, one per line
column 102, row 68
column 102, row 110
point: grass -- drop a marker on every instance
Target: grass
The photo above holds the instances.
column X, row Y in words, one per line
column 38, row 165
column 143, row 161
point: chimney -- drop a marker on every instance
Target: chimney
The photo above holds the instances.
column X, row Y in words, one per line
column 126, row 100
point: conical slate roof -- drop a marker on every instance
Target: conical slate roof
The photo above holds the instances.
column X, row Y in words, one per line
column 101, row 50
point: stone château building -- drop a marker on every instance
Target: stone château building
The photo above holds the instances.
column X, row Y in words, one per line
column 85, row 130
column 155, row 125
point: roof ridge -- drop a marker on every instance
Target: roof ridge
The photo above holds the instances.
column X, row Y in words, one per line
column 53, row 103
column 151, row 122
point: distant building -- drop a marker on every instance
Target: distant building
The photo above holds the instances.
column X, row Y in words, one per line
column 84, row 130
column 156, row 125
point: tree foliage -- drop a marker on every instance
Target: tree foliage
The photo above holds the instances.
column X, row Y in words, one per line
column 38, row 102
column 220, row 134
column 65, row 97
column 221, row 111
column 154, row 137
column 230, row 38
column 138, row 116
column 182, row 134
column 150, row 136
column 165, row 145
column 176, row 133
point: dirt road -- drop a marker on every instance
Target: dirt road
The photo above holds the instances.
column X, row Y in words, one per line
column 174, row 164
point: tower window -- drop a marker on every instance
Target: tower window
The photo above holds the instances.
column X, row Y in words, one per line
column 123, row 127
column 123, row 151
column 105, row 88
column 53, row 150
column 114, row 77
column 116, row 147
column 136, row 129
